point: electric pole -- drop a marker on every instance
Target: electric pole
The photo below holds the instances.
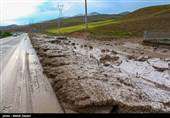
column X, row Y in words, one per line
column 60, row 10
column 85, row 19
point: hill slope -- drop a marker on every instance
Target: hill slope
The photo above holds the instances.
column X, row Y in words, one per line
column 66, row 22
column 148, row 11
column 156, row 18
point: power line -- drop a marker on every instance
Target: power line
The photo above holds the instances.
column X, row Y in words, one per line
column 60, row 10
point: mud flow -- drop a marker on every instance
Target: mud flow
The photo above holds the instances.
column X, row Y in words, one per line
column 90, row 76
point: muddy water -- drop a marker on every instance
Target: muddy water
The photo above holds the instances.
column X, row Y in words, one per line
column 93, row 76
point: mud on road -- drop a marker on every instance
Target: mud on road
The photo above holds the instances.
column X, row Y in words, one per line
column 92, row 76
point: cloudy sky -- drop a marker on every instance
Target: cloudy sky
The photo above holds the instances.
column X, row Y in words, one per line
column 31, row 11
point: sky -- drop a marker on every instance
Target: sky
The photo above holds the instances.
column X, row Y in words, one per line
column 31, row 11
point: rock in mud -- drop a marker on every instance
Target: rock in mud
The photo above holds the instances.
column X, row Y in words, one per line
column 159, row 64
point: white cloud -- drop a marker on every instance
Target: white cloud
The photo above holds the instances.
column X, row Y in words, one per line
column 11, row 10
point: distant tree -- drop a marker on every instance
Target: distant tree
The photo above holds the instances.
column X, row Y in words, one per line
column 5, row 34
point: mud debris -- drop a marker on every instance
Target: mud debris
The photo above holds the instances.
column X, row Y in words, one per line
column 90, row 76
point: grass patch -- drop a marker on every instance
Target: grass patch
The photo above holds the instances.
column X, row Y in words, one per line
column 121, row 34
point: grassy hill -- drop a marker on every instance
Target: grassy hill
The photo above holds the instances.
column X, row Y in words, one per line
column 148, row 11
column 76, row 20
column 80, row 27
column 155, row 18
column 66, row 22
column 104, row 26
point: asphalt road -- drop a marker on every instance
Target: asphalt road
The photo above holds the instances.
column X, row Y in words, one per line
column 23, row 86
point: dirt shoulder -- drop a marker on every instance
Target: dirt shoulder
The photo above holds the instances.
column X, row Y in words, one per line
column 105, row 76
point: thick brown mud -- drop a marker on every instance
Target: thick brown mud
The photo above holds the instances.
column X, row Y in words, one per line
column 105, row 76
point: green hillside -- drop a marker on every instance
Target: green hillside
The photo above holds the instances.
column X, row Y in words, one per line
column 156, row 18
column 76, row 20
column 67, row 22
column 81, row 27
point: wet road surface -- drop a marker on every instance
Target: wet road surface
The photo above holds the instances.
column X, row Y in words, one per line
column 23, row 86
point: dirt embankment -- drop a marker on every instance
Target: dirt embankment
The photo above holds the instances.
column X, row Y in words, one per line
column 92, row 76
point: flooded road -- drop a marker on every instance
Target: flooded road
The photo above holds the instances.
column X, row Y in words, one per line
column 23, row 86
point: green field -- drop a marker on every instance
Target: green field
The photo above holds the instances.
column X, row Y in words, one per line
column 93, row 30
column 75, row 28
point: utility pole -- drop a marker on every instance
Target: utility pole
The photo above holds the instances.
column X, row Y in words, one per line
column 60, row 10
column 85, row 18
